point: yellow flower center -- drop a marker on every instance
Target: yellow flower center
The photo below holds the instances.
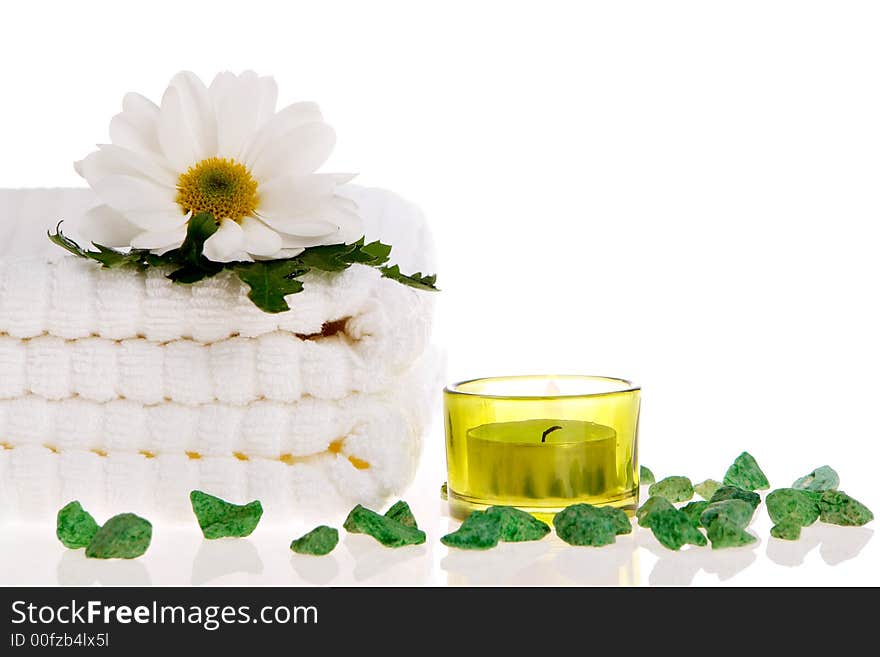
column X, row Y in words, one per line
column 218, row 185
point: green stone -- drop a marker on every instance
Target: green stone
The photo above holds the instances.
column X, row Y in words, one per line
column 674, row 489
column 787, row 530
column 125, row 536
column 821, row 479
column 585, row 524
column 694, row 510
column 646, row 477
column 517, row 525
column 734, row 510
column 75, row 527
column 388, row 532
column 219, row 518
column 706, row 489
column 650, row 507
column 746, row 473
column 673, row 529
column 838, row 508
column 724, row 533
column 320, row 541
column 481, row 530
column 401, row 512
column 619, row 519
column 735, row 493
column 791, row 504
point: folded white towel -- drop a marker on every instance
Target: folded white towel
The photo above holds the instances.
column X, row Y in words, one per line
column 310, row 456
column 76, row 298
column 367, row 354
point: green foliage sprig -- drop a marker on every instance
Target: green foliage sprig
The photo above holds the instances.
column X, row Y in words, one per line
column 269, row 280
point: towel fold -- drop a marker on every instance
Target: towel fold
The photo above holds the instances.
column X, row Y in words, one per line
column 310, row 456
column 366, row 354
column 77, row 298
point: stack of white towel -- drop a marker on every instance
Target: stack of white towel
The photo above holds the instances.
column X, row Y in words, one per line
column 126, row 391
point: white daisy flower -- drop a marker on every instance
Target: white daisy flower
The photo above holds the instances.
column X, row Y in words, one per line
column 221, row 149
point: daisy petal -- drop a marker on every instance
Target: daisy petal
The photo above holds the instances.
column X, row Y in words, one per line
column 226, row 244
column 198, row 109
column 135, row 193
column 140, row 107
column 105, row 226
column 283, row 122
column 238, row 102
column 175, row 135
column 142, row 115
column 157, row 221
column 112, row 159
column 259, row 239
column 307, row 227
column 144, row 164
column 300, row 151
column 124, row 133
column 268, row 99
column 291, row 195
column 165, row 239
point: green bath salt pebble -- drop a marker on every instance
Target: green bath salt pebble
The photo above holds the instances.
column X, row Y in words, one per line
column 821, row 479
column 838, row 508
column 650, row 507
column 388, row 532
column 220, row 519
column 735, row 493
column 646, row 477
column 746, row 473
column 585, row 524
column 673, row 529
column 706, row 489
column 517, row 526
column 736, row 511
column 75, row 527
column 481, row 530
column 674, row 489
column 125, row 536
column 787, row 530
column 619, row 519
column 693, row 510
column 320, row 541
column 723, row 533
column 401, row 512
column 791, row 504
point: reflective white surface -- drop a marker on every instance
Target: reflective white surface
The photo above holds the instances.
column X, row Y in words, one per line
column 825, row 555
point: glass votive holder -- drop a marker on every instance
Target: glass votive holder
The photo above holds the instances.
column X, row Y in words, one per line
column 541, row 443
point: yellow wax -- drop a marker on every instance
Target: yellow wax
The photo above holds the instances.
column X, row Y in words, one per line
column 540, row 460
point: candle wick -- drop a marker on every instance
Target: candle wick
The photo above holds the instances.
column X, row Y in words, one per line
column 544, row 435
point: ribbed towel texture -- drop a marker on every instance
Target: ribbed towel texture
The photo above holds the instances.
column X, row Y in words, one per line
column 126, row 391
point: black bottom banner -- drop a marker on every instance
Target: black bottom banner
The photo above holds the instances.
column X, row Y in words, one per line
column 392, row 620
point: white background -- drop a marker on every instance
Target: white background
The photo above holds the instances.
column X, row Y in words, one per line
column 682, row 193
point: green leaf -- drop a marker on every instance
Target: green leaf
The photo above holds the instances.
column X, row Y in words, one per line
column 270, row 281
column 196, row 267
column 333, row 257
column 188, row 274
column 198, row 230
column 338, row 257
column 416, row 280
column 108, row 257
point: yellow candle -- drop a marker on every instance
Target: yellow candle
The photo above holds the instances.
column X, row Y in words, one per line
column 541, row 443
column 531, row 461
